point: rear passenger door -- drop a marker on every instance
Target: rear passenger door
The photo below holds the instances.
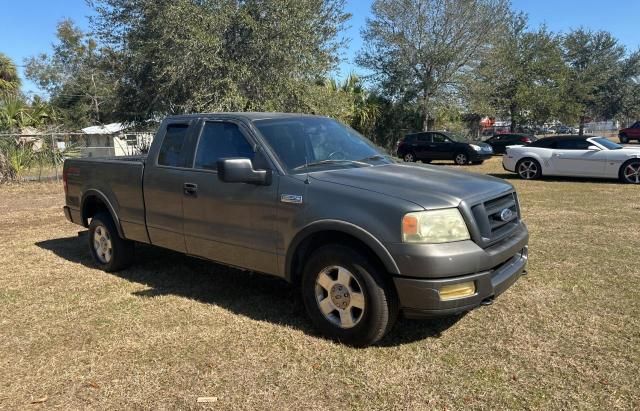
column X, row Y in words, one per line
column 233, row 223
column 162, row 186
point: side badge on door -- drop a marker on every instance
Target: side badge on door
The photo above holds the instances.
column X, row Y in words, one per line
column 291, row 198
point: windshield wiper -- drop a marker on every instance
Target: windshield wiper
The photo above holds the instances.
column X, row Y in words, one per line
column 374, row 157
column 324, row 162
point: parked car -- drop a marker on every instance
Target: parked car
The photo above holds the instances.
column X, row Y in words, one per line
column 587, row 156
column 631, row 133
column 499, row 142
column 439, row 145
column 566, row 130
column 309, row 200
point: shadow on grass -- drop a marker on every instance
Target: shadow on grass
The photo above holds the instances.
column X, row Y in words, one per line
column 257, row 296
column 555, row 179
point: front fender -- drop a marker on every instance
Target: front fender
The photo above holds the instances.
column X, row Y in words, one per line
column 344, row 227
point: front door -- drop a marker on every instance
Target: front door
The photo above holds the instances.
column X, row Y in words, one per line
column 442, row 147
column 233, row 223
column 572, row 158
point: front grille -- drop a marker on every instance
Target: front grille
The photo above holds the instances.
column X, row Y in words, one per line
column 489, row 217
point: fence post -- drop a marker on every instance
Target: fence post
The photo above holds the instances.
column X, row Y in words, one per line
column 53, row 153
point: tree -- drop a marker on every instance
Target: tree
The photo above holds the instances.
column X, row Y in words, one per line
column 9, row 79
column 186, row 56
column 596, row 64
column 522, row 76
column 78, row 77
column 417, row 49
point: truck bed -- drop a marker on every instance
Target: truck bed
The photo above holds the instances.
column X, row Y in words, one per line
column 118, row 182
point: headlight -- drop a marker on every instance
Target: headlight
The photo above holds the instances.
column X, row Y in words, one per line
column 436, row 226
column 475, row 147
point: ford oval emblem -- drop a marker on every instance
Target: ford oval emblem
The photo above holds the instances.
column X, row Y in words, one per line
column 506, row 214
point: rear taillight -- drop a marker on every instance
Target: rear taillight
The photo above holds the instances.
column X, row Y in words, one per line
column 65, row 176
column 65, row 173
column 526, row 140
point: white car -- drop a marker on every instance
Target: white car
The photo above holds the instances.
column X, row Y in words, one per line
column 586, row 156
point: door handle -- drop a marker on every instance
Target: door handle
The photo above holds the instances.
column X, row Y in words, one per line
column 190, row 189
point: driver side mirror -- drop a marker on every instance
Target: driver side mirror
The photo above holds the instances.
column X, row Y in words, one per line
column 593, row 148
column 240, row 170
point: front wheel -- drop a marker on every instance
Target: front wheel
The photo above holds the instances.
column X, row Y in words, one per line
column 409, row 158
column 111, row 252
column 461, row 159
column 347, row 297
column 624, row 139
column 528, row 169
column 630, row 172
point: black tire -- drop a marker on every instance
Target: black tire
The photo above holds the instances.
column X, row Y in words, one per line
column 121, row 251
column 461, row 159
column 630, row 171
column 624, row 139
column 531, row 170
column 376, row 294
column 409, row 157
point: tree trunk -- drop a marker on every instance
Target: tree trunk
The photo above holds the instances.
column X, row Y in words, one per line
column 425, row 113
column 512, row 111
column 581, row 132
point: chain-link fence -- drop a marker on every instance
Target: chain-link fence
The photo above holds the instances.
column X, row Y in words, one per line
column 27, row 157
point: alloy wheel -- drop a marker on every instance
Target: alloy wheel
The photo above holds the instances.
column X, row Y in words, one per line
column 528, row 170
column 409, row 158
column 461, row 159
column 102, row 244
column 632, row 172
column 340, row 297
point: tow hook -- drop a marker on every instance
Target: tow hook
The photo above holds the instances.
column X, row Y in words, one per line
column 487, row 301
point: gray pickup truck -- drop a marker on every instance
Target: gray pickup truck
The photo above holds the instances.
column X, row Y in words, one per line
column 307, row 199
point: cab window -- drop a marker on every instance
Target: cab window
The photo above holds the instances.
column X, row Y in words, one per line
column 220, row 140
column 171, row 151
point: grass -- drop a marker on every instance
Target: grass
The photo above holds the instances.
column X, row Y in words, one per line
column 172, row 328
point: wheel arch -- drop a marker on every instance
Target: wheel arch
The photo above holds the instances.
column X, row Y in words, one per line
column 94, row 201
column 333, row 231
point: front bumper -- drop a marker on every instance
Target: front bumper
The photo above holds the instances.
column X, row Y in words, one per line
column 480, row 155
column 420, row 298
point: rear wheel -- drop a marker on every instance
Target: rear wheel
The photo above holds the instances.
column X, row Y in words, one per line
column 409, row 157
column 630, row 171
column 347, row 297
column 461, row 159
column 624, row 139
column 528, row 169
column 111, row 252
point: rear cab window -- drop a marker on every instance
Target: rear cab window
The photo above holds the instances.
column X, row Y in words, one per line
column 172, row 149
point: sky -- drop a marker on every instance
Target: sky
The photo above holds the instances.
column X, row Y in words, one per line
column 27, row 27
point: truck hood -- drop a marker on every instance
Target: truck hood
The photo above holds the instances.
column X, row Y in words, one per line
column 428, row 186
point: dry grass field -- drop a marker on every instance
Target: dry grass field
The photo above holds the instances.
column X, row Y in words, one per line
column 172, row 328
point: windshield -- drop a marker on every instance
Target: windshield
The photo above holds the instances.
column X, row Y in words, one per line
column 316, row 141
column 458, row 138
column 608, row 144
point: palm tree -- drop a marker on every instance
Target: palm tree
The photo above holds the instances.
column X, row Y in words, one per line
column 9, row 79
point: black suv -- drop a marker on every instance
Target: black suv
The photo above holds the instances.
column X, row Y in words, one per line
column 440, row 145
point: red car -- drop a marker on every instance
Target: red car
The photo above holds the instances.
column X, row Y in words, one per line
column 631, row 133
